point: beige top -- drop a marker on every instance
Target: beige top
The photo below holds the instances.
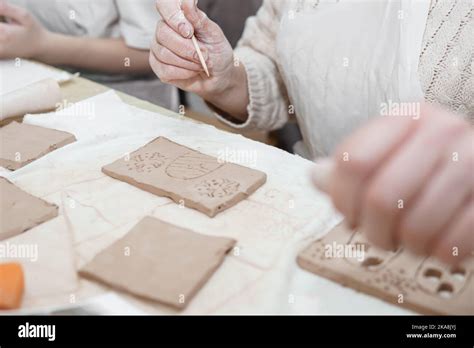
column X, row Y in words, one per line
column 135, row 20
column 310, row 54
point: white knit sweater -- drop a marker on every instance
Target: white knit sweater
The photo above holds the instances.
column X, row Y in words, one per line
column 444, row 71
column 446, row 62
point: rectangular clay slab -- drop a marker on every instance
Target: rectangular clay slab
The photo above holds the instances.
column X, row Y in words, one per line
column 201, row 182
column 21, row 144
column 425, row 285
column 159, row 262
column 21, row 211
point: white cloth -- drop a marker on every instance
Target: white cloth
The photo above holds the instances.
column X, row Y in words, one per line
column 271, row 226
column 135, row 20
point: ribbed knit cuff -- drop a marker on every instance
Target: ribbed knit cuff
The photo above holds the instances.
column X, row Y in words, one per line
column 259, row 109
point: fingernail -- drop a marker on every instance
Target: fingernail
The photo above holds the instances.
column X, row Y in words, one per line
column 322, row 173
column 185, row 30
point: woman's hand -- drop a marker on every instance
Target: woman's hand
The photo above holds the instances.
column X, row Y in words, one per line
column 409, row 182
column 173, row 56
column 22, row 36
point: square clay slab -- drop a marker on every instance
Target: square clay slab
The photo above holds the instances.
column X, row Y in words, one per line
column 201, row 182
column 21, row 211
column 159, row 262
column 21, row 144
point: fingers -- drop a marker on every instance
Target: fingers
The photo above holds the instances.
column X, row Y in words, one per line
column 5, row 31
column 458, row 244
column 322, row 172
column 428, row 218
column 393, row 188
column 205, row 30
column 180, row 46
column 4, row 35
column 172, row 14
column 360, row 156
column 196, row 17
column 173, row 55
column 408, row 181
column 15, row 13
column 169, row 73
column 165, row 56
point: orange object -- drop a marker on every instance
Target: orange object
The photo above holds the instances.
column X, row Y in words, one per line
column 12, row 285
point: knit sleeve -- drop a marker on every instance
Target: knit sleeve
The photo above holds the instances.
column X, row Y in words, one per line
column 268, row 107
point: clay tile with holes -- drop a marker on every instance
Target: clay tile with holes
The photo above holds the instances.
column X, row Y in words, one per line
column 421, row 284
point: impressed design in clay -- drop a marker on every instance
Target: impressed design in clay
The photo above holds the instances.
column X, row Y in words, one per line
column 21, row 144
column 159, row 262
column 420, row 284
column 202, row 182
column 21, row 211
column 192, row 166
column 146, row 162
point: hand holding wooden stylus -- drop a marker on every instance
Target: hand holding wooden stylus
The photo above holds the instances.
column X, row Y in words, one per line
column 188, row 45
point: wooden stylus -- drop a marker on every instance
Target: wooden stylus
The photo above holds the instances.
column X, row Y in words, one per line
column 201, row 57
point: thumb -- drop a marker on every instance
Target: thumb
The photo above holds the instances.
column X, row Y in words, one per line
column 203, row 26
column 171, row 12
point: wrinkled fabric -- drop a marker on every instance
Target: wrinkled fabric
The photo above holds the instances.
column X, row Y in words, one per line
column 271, row 227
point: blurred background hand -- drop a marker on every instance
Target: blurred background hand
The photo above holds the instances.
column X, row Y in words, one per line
column 408, row 182
column 21, row 35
